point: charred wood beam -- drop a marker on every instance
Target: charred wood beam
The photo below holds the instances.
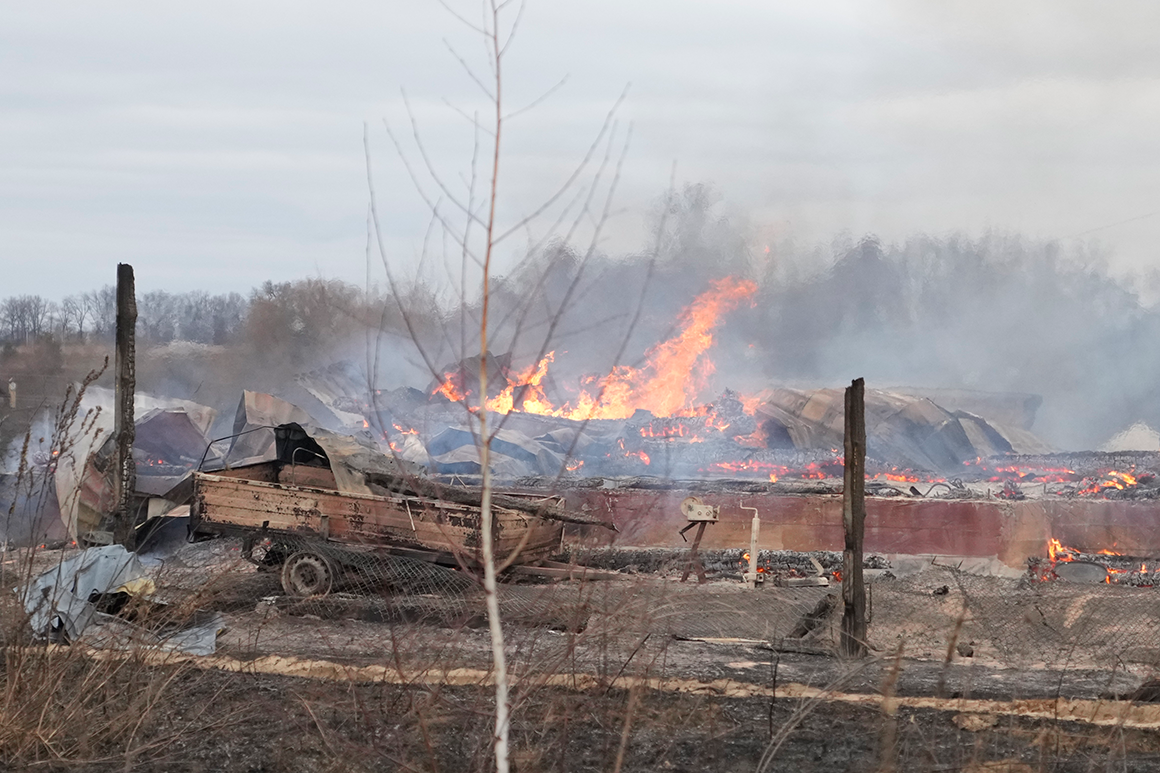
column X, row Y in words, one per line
column 853, row 637
column 125, row 471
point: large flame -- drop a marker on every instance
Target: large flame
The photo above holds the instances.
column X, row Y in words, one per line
column 666, row 385
column 674, row 371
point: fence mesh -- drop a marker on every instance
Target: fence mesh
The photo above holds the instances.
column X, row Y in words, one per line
column 351, row 601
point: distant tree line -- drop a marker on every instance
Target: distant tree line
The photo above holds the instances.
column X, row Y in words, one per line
column 279, row 319
column 91, row 316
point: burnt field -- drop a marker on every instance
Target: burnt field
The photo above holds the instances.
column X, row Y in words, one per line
column 633, row 671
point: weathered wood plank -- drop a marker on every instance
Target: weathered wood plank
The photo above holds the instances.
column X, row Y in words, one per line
column 228, row 502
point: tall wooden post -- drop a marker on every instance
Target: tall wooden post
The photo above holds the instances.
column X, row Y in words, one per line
column 125, row 471
column 853, row 641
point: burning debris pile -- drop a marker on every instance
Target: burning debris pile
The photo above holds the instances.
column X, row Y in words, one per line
column 653, row 419
column 650, row 421
column 1102, row 566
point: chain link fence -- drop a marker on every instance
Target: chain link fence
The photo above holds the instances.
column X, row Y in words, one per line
column 279, row 595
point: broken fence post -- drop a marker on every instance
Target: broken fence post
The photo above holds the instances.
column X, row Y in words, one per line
column 853, row 638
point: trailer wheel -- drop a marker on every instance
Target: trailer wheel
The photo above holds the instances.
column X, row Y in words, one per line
column 307, row 574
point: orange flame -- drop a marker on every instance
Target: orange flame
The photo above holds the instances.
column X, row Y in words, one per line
column 528, row 382
column 449, row 390
column 1112, row 479
column 674, row 371
column 667, row 384
column 901, row 478
column 638, row 454
column 1057, row 552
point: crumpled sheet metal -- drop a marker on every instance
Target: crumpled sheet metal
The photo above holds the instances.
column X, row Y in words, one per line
column 59, row 599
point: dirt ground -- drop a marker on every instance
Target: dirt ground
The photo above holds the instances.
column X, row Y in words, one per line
column 638, row 673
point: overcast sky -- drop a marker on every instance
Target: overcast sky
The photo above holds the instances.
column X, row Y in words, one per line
column 218, row 144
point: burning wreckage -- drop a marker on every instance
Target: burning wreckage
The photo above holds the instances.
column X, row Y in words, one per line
column 609, row 463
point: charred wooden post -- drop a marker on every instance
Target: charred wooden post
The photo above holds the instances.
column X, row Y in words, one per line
column 125, row 471
column 853, row 639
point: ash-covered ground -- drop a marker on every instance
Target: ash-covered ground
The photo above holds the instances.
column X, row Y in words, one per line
column 658, row 673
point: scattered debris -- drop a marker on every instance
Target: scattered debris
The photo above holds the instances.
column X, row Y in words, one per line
column 88, row 597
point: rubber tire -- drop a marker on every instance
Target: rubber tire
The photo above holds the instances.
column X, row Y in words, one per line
column 306, row 574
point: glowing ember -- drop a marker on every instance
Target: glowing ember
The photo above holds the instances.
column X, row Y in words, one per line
column 748, row 465
column 1014, row 472
column 1111, row 480
column 692, row 429
column 901, row 478
column 638, row 454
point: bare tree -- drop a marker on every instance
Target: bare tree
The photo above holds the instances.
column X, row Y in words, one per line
column 467, row 221
column 103, row 310
column 26, row 317
column 75, row 311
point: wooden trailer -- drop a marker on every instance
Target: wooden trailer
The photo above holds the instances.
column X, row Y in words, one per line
column 321, row 534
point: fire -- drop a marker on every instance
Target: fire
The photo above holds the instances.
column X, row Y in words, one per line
column 1033, row 472
column 638, row 454
column 744, row 563
column 674, row 370
column 748, row 465
column 901, row 478
column 528, row 383
column 1057, row 552
column 448, row 388
column 812, row 471
column 696, row 428
column 667, row 384
column 574, row 465
column 750, row 403
column 1111, row 479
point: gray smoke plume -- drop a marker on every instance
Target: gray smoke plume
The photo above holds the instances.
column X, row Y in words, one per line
column 994, row 313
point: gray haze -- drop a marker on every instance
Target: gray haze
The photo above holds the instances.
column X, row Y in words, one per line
column 215, row 145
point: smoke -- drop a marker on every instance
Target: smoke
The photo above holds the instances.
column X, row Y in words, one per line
column 998, row 312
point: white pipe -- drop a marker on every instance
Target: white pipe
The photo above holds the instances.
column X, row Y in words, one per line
column 754, row 531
